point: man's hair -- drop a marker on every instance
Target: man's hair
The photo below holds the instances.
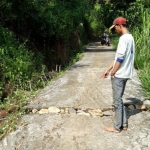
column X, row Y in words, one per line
column 124, row 25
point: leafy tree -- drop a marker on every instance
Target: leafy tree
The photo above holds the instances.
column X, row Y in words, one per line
column 49, row 30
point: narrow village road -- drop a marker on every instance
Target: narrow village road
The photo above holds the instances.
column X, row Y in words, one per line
column 70, row 113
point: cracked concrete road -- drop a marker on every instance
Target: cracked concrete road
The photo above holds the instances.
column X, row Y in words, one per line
column 81, row 87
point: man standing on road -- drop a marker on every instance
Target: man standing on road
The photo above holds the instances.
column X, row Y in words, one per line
column 121, row 70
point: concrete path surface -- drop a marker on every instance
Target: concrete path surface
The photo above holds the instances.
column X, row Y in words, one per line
column 70, row 113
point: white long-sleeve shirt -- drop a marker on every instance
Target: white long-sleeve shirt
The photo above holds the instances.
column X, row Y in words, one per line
column 125, row 55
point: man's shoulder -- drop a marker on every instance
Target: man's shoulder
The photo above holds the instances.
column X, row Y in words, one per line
column 126, row 37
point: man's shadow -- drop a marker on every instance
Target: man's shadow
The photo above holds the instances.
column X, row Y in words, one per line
column 133, row 106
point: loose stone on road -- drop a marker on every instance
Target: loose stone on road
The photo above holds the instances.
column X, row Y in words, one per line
column 70, row 113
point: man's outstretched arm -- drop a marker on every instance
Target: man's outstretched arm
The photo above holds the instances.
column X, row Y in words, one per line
column 106, row 73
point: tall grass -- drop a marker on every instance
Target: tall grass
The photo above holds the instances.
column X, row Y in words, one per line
column 142, row 55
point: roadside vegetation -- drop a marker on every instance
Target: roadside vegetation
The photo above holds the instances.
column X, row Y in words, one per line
column 40, row 39
column 142, row 59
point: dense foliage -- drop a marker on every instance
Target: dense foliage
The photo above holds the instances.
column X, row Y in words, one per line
column 39, row 35
column 142, row 60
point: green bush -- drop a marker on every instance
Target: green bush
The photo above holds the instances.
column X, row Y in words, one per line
column 142, row 55
column 145, row 78
column 17, row 63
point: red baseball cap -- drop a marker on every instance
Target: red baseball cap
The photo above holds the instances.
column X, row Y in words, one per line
column 118, row 21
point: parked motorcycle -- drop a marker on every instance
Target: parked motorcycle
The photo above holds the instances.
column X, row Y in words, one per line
column 105, row 40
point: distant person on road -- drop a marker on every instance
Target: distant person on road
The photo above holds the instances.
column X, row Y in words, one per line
column 106, row 35
column 121, row 70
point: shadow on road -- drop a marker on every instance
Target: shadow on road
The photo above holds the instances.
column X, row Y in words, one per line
column 77, row 66
column 133, row 102
column 99, row 50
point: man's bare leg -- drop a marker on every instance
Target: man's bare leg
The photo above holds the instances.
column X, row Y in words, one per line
column 111, row 129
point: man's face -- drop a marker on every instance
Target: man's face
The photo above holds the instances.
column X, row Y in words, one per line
column 118, row 29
